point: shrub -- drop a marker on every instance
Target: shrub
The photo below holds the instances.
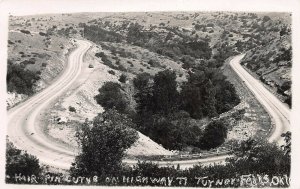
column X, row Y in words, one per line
column 214, row 135
column 18, row 161
column 42, row 34
column 19, row 79
column 72, row 109
column 91, row 66
column 25, row 31
column 30, row 61
column 103, row 145
column 110, row 96
column 153, row 63
column 121, row 68
column 10, row 42
column 141, row 80
column 122, row 78
column 111, row 72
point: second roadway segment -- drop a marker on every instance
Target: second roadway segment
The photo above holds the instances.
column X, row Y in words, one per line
column 24, row 132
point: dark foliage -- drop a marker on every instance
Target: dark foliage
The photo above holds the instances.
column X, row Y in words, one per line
column 159, row 107
column 111, row 72
column 251, row 158
column 154, row 63
column 97, row 33
column 103, row 144
column 207, row 93
column 138, row 36
column 175, row 131
column 111, row 96
column 42, row 34
column 159, row 115
column 18, row 161
column 141, row 81
column 10, row 42
column 165, row 94
column 108, row 62
column 19, row 79
column 214, row 135
column 25, row 31
column 161, row 97
column 123, row 78
column 72, row 109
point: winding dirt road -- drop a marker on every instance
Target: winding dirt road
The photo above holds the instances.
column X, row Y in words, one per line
column 279, row 112
column 26, row 134
column 23, row 130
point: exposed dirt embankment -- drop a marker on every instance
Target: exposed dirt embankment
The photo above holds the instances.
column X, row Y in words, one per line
column 14, row 98
column 65, row 120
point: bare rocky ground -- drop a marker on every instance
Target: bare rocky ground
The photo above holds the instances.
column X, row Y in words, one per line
column 13, row 98
column 61, row 124
column 64, row 123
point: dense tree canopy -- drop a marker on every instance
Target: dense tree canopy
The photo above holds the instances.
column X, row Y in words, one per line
column 18, row 161
column 111, row 96
column 160, row 108
column 165, row 94
column 214, row 135
column 260, row 156
column 252, row 158
column 103, row 144
column 19, row 79
column 207, row 93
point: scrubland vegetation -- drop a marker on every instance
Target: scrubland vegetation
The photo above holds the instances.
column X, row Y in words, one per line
column 177, row 107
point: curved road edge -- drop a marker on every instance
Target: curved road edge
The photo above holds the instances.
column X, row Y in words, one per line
column 278, row 111
column 23, row 130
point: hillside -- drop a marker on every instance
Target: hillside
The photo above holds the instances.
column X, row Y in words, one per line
column 177, row 56
column 264, row 37
column 38, row 56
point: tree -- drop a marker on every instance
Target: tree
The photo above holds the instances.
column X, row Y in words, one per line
column 19, row 79
column 103, row 144
column 207, row 93
column 110, row 96
column 18, row 161
column 209, row 96
column 287, row 146
column 122, row 78
column 266, row 18
column 165, row 94
column 192, row 99
column 144, row 95
column 214, row 135
column 260, row 157
column 141, row 80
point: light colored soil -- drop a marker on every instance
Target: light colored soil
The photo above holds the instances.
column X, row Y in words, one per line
column 145, row 146
column 14, row 98
column 82, row 99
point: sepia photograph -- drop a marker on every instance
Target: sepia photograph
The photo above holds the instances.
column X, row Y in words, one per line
column 149, row 98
